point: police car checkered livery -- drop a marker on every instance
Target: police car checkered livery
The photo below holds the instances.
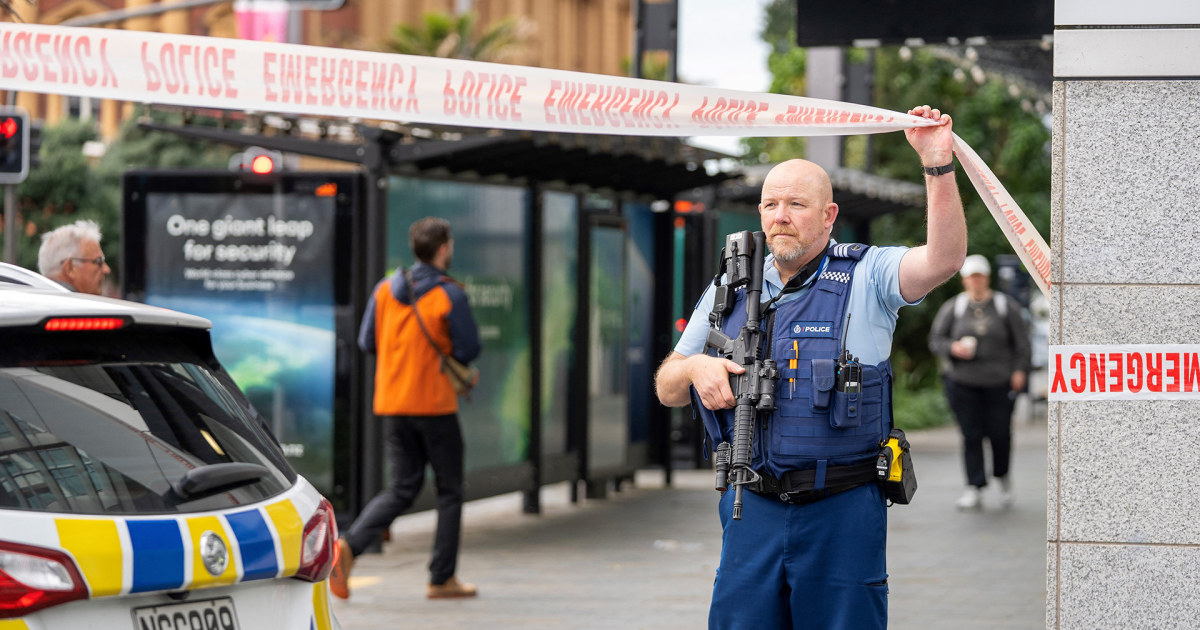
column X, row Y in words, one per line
column 139, row 489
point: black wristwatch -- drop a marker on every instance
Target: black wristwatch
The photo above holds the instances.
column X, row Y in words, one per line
column 940, row 170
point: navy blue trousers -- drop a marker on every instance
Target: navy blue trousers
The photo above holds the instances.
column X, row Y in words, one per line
column 819, row 566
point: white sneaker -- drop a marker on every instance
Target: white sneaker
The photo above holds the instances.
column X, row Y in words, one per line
column 972, row 499
column 1006, row 495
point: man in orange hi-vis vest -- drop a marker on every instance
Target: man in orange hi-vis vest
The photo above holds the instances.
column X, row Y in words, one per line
column 409, row 312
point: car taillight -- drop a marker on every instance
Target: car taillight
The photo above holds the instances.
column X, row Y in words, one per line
column 32, row 578
column 58, row 324
column 316, row 548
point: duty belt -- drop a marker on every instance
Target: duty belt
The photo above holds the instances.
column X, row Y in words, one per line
column 799, row 486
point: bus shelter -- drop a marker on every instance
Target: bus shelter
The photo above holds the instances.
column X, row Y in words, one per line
column 567, row 245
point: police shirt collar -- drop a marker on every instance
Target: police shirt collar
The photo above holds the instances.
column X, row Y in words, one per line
column 806, row 274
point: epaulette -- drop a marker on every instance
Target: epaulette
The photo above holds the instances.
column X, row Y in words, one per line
column 853, row 251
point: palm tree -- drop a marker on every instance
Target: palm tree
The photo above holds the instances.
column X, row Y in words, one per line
column 444, row 35
column 7, row 9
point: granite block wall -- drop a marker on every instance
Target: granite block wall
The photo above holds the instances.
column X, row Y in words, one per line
column 1123, row 528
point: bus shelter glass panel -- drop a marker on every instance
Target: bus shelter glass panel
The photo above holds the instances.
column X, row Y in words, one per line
column 642, row 288
column 489, row 224
column 560, row 261
column 608, row 383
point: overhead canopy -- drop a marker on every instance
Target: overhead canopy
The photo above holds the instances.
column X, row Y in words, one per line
column 653, row 166
column 643, row 165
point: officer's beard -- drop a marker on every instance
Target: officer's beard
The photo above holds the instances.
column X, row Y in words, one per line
column 787, row 251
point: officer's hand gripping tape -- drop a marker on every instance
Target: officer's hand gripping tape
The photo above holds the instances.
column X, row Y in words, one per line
column 894, row 469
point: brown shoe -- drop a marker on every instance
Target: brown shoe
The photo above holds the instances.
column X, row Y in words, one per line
column 452, row 588
column 339, row 577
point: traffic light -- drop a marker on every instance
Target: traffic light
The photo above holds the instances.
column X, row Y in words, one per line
column 257, row 160
column 35, row 144
column 14, row 145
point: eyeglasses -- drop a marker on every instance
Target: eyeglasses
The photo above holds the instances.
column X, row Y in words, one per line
column 98, row 261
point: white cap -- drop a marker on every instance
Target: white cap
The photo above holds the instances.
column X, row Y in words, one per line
column 975, row 264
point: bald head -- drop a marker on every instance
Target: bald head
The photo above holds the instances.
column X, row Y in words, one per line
column 797, row 212
column 800, row 173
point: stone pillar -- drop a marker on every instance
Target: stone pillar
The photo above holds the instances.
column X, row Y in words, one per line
column 1123, row 529
column 825, row 78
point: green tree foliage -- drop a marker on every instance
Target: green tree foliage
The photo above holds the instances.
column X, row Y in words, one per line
column 995, row 119
column 1012, row 139
column 63, row 188
column 456, row 36
column 654, row 65
column 68, row 186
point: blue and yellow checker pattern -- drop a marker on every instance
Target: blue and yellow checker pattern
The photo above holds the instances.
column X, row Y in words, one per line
column 139, row 555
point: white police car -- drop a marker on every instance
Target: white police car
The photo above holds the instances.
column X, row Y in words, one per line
column 139, row 490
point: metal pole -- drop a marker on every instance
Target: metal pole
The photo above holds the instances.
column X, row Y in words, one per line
column 10, row 223
column 639, row 38
column 673, row 36
column 369, row 445
column 532, row 503
column 10, row 205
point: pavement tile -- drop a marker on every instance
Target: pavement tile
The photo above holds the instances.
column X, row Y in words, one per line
column 645, row 557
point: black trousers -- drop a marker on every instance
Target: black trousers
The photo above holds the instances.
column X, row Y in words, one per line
column 983, row 412
column 413, row 442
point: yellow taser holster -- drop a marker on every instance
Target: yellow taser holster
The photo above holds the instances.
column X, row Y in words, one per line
column 894, row 469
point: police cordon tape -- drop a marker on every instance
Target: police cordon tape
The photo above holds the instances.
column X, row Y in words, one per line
column 1125, row 372
column 197, row 71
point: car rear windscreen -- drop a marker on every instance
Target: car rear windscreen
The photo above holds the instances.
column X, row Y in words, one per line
column 134, row 421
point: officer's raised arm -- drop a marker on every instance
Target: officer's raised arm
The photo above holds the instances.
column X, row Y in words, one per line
column 931, row 264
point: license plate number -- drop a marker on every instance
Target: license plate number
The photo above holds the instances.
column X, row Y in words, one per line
column 209, row 614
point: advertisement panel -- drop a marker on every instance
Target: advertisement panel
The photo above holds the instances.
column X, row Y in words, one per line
column 259, row 259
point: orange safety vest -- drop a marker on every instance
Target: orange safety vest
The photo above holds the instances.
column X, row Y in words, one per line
column 408, row 375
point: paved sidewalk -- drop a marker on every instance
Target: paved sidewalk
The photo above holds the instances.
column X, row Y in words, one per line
column 646, row 556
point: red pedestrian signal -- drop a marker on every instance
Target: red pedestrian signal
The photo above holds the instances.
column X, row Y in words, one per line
column 14, row 145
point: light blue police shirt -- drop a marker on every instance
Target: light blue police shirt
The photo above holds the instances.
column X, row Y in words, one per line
column 875, row 301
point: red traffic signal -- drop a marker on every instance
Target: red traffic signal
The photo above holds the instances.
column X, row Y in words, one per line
column 262, row 165
column 14, row 145
column 257, row 160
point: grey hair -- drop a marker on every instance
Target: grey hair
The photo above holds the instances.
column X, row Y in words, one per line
column 63, row 242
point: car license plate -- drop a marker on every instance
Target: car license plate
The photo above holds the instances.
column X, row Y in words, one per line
column 209, row 614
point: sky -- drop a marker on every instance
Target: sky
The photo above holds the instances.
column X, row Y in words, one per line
column 719, row 46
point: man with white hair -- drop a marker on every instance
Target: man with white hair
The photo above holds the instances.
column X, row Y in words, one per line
column 71, row 255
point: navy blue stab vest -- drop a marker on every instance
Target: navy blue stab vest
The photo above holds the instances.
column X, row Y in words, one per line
column 815, row 426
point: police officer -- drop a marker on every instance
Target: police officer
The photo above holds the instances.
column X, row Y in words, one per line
column 808, row 551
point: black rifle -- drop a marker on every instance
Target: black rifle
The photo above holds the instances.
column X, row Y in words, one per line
column 742, row 263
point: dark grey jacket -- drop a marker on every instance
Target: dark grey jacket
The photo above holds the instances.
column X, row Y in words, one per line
column 1002, row 333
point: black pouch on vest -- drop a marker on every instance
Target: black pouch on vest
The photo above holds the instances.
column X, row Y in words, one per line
column 823, row 379
column 847, row 410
